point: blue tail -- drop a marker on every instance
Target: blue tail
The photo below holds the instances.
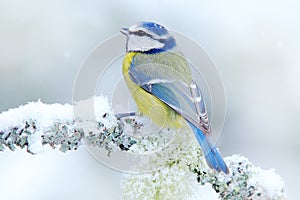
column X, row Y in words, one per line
column 212, row 156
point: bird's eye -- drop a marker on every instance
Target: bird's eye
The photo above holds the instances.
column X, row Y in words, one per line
column 140, row 33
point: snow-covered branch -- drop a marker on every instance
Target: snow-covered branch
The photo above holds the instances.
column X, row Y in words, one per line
column 183, row 174
column 36, row 124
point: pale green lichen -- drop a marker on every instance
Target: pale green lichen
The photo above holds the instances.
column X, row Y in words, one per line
column 180, row 169
column 185, row 173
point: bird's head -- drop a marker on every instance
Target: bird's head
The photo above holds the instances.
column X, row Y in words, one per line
column 148, row 37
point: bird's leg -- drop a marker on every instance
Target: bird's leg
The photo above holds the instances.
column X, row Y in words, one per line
column 119, row 117
column 122, row 115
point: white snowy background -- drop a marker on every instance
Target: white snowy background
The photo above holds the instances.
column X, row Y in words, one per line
column 254, row 44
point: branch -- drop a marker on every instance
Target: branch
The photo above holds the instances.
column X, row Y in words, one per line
column 36, row 124
column 183, row 174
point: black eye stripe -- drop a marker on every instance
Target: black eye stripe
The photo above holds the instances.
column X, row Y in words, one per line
column 140, row 33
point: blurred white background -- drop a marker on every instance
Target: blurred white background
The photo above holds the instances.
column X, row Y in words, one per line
column 254, row 44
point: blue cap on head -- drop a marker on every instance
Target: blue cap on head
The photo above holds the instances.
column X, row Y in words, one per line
column 155, row 28
column 148, row 37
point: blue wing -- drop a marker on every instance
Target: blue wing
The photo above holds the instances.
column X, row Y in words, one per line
column 181, row 93
column 173, row 86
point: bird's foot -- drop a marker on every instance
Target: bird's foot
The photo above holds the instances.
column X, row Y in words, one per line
column 122, row 115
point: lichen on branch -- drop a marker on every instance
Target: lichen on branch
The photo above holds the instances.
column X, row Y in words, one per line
column 183, row 175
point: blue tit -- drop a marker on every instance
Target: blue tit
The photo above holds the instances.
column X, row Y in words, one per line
column 160, row 81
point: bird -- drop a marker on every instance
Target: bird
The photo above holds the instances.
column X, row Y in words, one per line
column 160, row 81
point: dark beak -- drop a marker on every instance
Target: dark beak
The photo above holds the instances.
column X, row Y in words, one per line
column 124, row 31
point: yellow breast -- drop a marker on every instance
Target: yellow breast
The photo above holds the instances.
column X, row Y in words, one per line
column 148, row 104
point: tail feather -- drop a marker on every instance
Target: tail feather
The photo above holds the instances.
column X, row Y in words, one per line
column 212, row 156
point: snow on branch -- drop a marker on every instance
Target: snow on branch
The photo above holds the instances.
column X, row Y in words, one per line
column 184, row 174
column 36, row 124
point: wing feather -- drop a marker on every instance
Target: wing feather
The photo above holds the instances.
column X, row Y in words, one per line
column 173, row 87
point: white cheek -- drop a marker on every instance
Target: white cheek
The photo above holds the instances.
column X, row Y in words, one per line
column 144, row 43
